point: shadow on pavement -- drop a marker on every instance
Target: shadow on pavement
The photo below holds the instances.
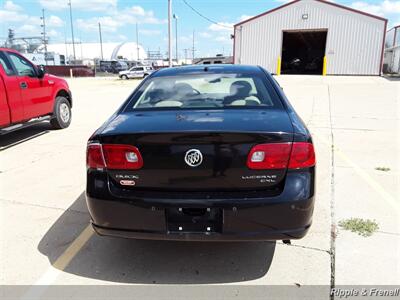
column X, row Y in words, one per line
column 392, row 77
column 162, row 262
column 19, row 136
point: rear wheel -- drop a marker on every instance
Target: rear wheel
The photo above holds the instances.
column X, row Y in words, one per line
column 62, row 113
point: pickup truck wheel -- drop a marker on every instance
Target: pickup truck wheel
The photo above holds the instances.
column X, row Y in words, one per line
column 62, row 113
column 124, row 77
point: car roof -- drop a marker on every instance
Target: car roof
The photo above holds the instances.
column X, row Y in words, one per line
column 213, row 69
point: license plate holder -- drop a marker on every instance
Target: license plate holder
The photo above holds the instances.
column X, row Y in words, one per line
column 194, row 220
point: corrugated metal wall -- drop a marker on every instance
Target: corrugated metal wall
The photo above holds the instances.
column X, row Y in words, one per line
column 354, row 41
column 391, row 62
column 395, row 65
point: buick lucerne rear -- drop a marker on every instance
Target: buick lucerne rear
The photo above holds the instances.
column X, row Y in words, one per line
column 203, row 153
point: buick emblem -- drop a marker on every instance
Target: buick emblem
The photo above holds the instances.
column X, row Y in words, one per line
column 193, row 157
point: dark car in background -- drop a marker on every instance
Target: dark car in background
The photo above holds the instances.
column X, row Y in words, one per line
column 113, row 66
column 203, row 153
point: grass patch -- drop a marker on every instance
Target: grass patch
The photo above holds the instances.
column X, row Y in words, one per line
column 362, row 227
column 384, row 169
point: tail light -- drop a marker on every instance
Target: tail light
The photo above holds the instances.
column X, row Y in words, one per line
column 94, row 157
column 114, row 156
column 269, row 156
column 302, row 156
column 121, row 157
column 281, row 156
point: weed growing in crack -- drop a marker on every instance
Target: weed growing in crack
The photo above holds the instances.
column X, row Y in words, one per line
column 384, row 169
column 360, row 226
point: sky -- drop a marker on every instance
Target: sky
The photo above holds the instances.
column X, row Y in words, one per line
column 119, row 18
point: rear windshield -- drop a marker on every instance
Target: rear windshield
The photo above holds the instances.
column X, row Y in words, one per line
column 205, row 91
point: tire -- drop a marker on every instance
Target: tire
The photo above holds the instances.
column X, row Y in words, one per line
column 124, row 77
column 62, row 113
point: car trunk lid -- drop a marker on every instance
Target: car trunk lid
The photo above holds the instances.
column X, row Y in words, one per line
column 202, row 150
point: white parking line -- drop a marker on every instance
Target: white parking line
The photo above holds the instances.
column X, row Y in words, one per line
column 364, row 175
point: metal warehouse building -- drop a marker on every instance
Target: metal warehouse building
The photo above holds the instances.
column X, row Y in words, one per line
column 312, row 37
column 391, row 62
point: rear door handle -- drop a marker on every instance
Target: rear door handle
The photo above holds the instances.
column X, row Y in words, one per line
column 23, row 85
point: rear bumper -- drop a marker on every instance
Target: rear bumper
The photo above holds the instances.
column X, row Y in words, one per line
column 285, row 216
column 218, row 237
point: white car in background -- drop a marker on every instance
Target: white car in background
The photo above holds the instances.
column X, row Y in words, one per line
column 136, row 72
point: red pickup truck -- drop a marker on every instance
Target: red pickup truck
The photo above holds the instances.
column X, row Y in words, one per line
column 28, row 95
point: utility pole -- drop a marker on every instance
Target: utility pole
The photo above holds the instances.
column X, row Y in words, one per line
column 72, row 29
column 186, row 56
column 193, row 48
column 80, row 42
column 44, row 35
column 101, row 42
column 169, row 33
column 176, row 36
column 137, row 42
column 66, row 44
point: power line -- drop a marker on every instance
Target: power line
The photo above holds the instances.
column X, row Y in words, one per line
column 205, row 17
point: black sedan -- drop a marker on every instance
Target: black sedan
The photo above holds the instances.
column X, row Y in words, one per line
column 203, row 153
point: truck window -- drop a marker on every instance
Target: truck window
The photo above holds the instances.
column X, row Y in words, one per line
column 6, row 64
column 23, row 67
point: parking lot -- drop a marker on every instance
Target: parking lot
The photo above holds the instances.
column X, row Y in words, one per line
column 355, row 122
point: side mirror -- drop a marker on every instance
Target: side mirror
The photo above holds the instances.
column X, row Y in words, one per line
column 41, row 72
